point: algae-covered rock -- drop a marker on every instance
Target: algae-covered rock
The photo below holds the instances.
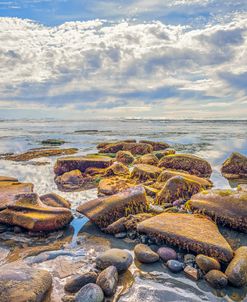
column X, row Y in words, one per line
column 117, row 169
column 114, row 185
column 31, row 154
column 134, row 148
column 55, row 200
column 125, row 157
column 177, row 188
column 148, row 159
column 105, row 210
column 22, row 284
column 75, row 181
column 28, row 211
column 162, row 153
column 167, row 174
column 235, row 166
column 227, row 207
column 193, row 232
column 53, row 142
column 156, row 145
column 189, row 163
column 81, row 163
column 237, row 269
column 142, row 172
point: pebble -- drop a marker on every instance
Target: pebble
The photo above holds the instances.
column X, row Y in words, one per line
column 75, row 283
column 192, row 273
column 216, row 279
column 167, row 253
column 175, row 266
column 108, row 280
column 189, row 259
column 90, row 293
column 206, row 263
column 144, row 254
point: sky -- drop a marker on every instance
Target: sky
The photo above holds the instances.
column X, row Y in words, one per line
column 111, row 59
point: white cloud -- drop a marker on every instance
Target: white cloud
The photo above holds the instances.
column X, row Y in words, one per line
column 109, row 68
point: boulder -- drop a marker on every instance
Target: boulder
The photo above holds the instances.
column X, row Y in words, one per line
column 167, row 253
column 90, row 293
column 125, row 157
column 75, row 181
column 55, row 200
column 8, row 190
column 121, row 259
column 134, row 148
column 236, row 271
column 177, row 188
column 81, row 163
column 206, row 263
column 105, row 210
column 148, row 159
column 144, row 254
column 117, row 169
column 162, row 153
column 167, row 174
column 156, row 145
column 75, row 283
column 31, row 154
column 192, row 232
column 114, row 185
column 108, row 280
column 227, row 207
column 189, row 163
column 22, row 284
column 216, row 279
column 28, row 211
column 235, row 166
column 142, row 172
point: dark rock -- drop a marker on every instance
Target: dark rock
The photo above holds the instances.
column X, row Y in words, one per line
column 75, row 283
column 174, row 266
column 167, row 253
column 119, row 258
column 216, row 279
column 90, row 293
column 144, row 254
column 108, row 280
column 206, row 263
column 125, row 157
column 53, row 142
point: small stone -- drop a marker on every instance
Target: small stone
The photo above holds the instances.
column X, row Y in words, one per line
column 119, row 258
column 120, row 235
column 75, row 283
column 68, row 298
column 174, row 266
column 216, row 279
column 144, row 254
column 189, row 259
column 90, row 293
column 108, row 280
column 206, row 263
column 167, row 253
column 191, row 273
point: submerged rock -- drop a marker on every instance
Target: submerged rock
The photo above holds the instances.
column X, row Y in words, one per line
column 81, row 163
column 186, row 162
column 143, row 172
column 74, row 284
column 28, row 211
column 53, row 142
column 55, row 200
column 108, row 280
column 206, row 263
column 216, row 279
column 225, row 206
column 125, row 157
column 147, row 159
column 121, row 259
column 235, row 166
column 144, row 254
column 193, row 232
column 22, row 284
column 90, row 293
column 105, row 210
column 40, row 153
column 156, row 145
column 237, row 269
column 177, row 188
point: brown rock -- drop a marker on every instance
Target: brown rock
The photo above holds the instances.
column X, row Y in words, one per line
column 206, row 263
column 235, row 166
column 191, row 273
column 156, row 145
column 105, row 210
column 75, row 283
column 189, row 163
column 193, row 232
column 144, row 254
column 216, row 279
column 143, row 172
column 107, row 280
column 55, row 200
column 125, row 157
column 162, row 153
column 114, row 185
column 148, row 159
column 117, row 169
column 7, row 178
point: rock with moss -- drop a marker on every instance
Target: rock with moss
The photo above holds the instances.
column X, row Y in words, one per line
column 29, row 212
column 192, row 232
column 53, row 142
column 133, row 148
column 117, row 169
column 188, row 163
column 177, row 188
column 114, row 185
column 143, row 173
column 103, row 145
column 160, row 154
column 227, row 207
column 235, row 166
column 125, row 157
column 156, row 145
column 105, row 210
column 148, row 159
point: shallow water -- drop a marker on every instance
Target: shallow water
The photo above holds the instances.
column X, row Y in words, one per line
column 212, row 140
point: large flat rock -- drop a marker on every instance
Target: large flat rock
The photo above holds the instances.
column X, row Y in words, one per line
column 193, row 232
column 67, row 164
column 105, row 210
column 227, row 207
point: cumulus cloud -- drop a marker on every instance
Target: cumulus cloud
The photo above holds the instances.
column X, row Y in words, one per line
column 125, row 68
